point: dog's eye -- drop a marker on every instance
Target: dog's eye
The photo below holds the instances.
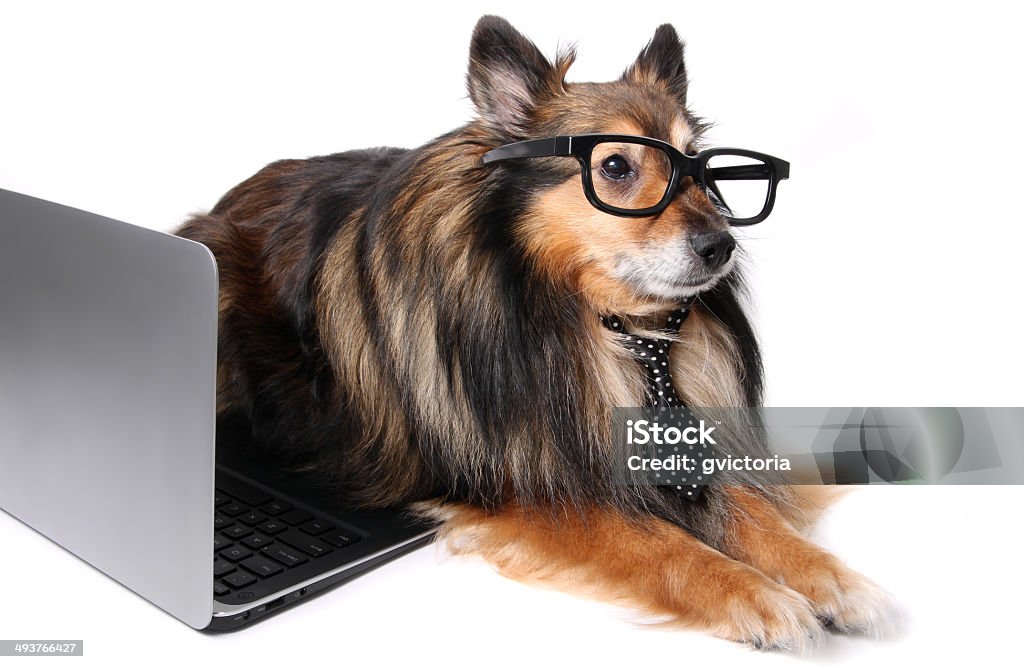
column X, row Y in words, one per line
column 616, row 167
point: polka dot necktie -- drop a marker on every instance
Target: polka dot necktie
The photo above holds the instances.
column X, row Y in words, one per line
column 653, row 355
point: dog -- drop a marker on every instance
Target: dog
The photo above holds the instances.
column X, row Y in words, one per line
column 424, row 329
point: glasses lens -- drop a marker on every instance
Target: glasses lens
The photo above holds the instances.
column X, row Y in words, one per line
column 738, row 185
column 628, row 175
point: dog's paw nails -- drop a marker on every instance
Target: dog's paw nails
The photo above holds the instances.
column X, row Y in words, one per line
column 774, row 618
column 846, row 601
column 865, row 608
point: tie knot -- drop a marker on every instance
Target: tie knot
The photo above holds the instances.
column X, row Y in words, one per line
column 673, row 321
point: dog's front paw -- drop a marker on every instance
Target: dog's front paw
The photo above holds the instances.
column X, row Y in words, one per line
column 848, row 601
column 770, row 616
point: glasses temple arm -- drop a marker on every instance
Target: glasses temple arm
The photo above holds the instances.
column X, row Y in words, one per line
column 531, row 148
column 748, row 172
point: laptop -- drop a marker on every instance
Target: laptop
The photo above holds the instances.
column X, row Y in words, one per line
column 109, row 438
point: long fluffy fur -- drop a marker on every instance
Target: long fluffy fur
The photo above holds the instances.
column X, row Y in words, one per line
column 413, row 355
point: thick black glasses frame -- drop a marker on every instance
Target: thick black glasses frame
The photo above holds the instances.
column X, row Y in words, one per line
column 582, row 146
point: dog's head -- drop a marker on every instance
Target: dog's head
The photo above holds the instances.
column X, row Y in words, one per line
column 618, row 264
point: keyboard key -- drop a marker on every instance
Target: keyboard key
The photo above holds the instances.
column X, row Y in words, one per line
column 239, row 579
column 220, row 543
column 243, row 491
column 276, row 507
column 286, row 555
column 220, row 522
column 295, row 517
column 236, row 553
column 232, row 509
column 315, row 527
column 304, row 543
column 237, row 532
column 272, row 527
column 221, row 567
column 220, row 589
column 220, row 498
column 252, row 518
column 257, row 541
column 338, row 538
column 262, row 566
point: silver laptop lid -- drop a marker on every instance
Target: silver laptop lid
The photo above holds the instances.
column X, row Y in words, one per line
column 107, row 396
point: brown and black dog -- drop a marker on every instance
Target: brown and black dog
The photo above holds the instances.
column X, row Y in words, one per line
column 425, row 329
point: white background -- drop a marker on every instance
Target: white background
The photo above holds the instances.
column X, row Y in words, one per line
column 887, row 275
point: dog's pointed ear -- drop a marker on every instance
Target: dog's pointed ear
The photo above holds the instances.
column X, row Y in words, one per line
column 509, row 76
column 661, row 63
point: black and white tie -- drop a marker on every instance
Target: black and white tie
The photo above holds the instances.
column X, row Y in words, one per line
column 653, row 355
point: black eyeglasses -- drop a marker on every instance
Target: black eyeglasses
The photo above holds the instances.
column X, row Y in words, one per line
column 630, row 175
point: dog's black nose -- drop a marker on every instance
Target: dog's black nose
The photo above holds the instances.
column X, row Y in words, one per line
column 714, row 247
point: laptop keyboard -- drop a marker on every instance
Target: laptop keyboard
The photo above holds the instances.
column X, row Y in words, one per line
column 257, row 536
